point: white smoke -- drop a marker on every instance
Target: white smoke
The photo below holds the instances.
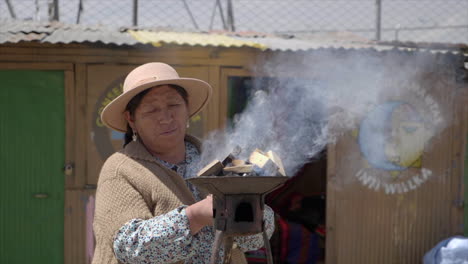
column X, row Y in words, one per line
column 297, row 117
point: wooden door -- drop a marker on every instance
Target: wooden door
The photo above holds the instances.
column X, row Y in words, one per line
column 32, row 156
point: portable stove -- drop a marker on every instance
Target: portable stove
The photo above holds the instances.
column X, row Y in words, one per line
column 238, row 203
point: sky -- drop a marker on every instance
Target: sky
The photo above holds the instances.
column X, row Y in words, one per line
column 405, row 20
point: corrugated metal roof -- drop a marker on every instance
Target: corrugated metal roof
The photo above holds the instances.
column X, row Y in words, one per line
column 340, row 40
column 249, row 39
column 105, row 36
column 293, row 44
column 193, row 39
column 56, row 32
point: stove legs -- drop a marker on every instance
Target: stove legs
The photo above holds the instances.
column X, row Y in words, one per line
column 267, row 247
column 227, row 249
column 220, row 239
column 219, row 235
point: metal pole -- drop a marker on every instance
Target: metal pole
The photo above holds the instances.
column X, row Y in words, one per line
column 267, row 245
column 221, row 13
column 230, row 17
column 36, row 15
column 135, row 13
column 50, row 10
column 218, row 240
column 213, row 15
column 56, row 10
column 378, row 19
column 80, row 9
column 10, row 9
column 53, row 10
column 190, row 14
column 228, row 241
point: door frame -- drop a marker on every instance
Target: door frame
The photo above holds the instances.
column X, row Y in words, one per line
column 70, row 143
column 223, row 90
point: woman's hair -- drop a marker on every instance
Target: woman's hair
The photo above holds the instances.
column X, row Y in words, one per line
column 135, row 102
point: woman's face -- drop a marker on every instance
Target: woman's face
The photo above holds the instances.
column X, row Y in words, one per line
column 160, row 120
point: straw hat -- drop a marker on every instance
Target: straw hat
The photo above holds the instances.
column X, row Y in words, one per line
column 147, row 76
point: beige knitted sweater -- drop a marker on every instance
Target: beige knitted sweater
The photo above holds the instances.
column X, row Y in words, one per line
column 132, row 184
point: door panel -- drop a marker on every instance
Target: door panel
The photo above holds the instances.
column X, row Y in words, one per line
column 32, row 131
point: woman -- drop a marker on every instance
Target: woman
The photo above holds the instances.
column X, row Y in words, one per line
column 145, row 212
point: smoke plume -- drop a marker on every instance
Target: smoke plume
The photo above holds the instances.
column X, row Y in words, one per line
column 312, row 102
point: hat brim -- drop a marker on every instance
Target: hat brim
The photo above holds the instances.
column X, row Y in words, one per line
column 199, row 93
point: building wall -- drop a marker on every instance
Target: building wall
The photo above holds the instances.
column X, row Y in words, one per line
column 380, row 213
column 364, row 225
column 91, row 74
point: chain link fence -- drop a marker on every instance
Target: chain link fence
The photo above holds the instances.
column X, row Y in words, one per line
column 444, row 21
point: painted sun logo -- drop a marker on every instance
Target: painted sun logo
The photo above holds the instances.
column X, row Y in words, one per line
column 392, row 138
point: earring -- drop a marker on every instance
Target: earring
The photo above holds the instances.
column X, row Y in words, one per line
column 135, row 136
column 188, row 123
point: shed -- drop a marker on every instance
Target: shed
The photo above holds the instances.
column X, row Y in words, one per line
column 57, row 78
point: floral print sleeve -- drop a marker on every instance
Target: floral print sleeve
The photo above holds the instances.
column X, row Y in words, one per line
column 166, row 239
column 161, row 239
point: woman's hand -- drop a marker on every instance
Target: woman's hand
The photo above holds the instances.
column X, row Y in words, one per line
column 200, row 214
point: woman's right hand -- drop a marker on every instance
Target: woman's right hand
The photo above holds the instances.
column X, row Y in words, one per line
column 200, row 214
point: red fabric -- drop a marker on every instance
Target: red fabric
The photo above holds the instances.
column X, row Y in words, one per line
column 284, row 232
column 256, row 256
column 321, row 230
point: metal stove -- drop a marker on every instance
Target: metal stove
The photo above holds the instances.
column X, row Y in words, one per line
column 238, row 203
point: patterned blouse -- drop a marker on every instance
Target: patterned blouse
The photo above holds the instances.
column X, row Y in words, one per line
column 166, row 238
